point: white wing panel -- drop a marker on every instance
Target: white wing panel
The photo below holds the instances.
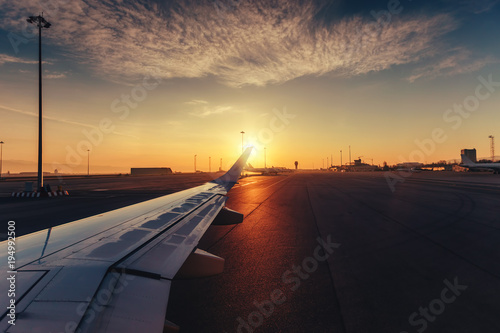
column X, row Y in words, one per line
column 128, row 303
column 166, row 255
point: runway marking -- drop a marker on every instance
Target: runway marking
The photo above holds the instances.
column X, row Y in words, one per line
column 250, row 183
column 275, row 183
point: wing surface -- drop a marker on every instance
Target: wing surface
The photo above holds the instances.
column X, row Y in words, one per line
column 110, row 272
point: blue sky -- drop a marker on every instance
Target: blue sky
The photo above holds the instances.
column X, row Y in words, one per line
column 376, row 75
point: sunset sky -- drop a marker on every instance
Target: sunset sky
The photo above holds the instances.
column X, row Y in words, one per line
column 152, row 83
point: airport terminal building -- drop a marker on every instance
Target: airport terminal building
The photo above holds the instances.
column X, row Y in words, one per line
column 150, row 171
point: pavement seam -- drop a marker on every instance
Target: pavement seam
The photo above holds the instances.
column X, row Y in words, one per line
column 342, row 322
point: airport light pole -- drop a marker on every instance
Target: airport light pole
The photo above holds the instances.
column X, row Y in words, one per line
column 242, row 141
column 88, row 162
column 209, row 164
column 1, row 158
column 194, row 163
column 349, row 155
column 265, row 167
column 40, row 22
column 341, row 157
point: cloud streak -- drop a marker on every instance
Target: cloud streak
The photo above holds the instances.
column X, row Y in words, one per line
column 456, row 62
column 59, row 120
column 4, row 58
column 255, row 43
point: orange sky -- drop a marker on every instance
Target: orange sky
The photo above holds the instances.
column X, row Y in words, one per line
column 155, row 96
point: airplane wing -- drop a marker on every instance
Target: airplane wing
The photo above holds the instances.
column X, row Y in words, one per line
column 112, row 272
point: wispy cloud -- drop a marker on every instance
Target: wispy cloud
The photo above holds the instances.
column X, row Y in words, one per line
column 458, row 61
column 256, row 43
column 196, row 102
column 55, row 75
column 207, row 111
column 478, row 6
column 59, row 120
column 4, row 58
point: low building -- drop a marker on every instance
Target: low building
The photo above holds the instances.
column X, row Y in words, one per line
column 150, row 171
column 359, row 166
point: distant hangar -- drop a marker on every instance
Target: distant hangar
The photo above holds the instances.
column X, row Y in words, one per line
column 150, row 171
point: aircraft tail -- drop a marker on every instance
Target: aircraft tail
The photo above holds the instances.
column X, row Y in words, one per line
column 231, row 177
column 466, row 160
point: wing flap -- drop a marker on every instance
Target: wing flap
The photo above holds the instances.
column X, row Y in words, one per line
column 165, row 255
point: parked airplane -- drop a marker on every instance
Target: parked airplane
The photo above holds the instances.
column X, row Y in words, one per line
column 264, row 171
column 112, row 272
column 466, row 162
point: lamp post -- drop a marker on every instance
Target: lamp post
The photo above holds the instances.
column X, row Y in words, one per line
column 1, row 158
column 88, row 162
column 265, row 165
column 242, row 141
column 209, row 164
column 341, row 157
column 40, row 22
column 194, row 163
column 349, row 155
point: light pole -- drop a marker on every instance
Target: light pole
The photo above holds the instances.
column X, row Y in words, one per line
column 341, row 157
column 40, row 22
column 209, row 164
column 194, row 163
column 242, row 141
column 349, row 155
column 1, row 158
column 88, row 162
column 265, row 167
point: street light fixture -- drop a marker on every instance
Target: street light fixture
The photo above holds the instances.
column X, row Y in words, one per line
column 40, row 22
column 88, row 162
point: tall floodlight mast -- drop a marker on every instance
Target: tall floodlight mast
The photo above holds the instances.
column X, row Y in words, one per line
column 40, row 22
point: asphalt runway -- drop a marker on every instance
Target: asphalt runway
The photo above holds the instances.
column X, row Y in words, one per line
column 415, row 254
column 423, row 258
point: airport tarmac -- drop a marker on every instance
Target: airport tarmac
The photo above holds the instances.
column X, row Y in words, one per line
column 419, row 256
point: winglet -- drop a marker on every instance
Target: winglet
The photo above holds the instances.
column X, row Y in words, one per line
column 231, row 177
